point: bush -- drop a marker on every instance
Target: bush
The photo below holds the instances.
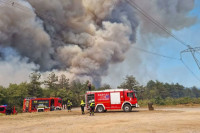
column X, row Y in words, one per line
column 170, row 101
column 143, row 102
column 159, row 101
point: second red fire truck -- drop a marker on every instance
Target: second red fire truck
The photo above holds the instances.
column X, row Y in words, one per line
column 42, row 104
column 112, row 99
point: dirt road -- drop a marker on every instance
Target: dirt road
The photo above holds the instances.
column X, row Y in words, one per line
column 162, row 120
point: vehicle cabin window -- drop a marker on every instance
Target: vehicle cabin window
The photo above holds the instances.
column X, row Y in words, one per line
column 44, row 103
column 40, row 103
column 130, row 94
column 2, row 108
column 60, row 101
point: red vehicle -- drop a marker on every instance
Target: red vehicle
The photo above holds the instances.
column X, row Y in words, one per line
column 42, row 104
column 112, row 99
column 4, row 109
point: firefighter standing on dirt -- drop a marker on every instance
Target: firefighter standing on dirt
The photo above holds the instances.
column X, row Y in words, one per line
column 69, row 106
column 92, row 106
column 82, row 106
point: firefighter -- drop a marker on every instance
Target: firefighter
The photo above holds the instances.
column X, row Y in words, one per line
column 89, row 86
column 69, row 106
column 92, row 107
column 82, row 107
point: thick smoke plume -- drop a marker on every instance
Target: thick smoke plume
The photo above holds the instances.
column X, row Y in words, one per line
column 81, row 37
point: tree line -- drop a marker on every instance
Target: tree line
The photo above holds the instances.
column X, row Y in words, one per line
column 54, row 86
column 162, row 93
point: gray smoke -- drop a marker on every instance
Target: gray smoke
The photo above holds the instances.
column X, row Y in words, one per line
column 173, row 14
column 82, row 37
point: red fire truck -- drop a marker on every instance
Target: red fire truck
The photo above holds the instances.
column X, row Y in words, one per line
column 112, row 99
column 4, row 109
column 42, row 104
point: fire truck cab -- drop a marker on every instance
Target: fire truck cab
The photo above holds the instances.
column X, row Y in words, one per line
column 112, row 99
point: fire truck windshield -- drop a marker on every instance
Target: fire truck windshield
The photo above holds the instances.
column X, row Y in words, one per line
column 130, row 94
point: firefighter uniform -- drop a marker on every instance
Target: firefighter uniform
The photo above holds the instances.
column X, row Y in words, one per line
column 82, row 106
column 92, row 107
column 69, row 106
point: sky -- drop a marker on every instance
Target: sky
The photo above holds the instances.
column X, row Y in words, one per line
column 159, row 68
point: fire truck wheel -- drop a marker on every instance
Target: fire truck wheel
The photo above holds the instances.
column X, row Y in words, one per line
column 100, row 109
column 127, row 108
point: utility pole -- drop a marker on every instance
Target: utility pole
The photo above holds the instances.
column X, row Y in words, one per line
column 192, row 51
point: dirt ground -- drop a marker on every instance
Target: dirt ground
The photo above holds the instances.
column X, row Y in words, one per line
column 161, row 120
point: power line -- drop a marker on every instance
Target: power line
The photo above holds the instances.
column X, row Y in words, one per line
column 156, row 54
column 190, row 70
column 192, row 51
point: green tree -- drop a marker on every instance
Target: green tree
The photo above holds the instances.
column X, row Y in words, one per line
column 34, row 88
column 151, row 85
column 77, row 89
column 2, row 95
column 104, row 87
column 15, row 95
column 161, row 90
column 129, row 83
column 195, row 92
column 63, row 82
column 52, row 81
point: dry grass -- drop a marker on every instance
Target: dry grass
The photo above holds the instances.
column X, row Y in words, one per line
column 163, row 120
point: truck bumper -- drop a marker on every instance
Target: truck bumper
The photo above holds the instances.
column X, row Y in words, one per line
column 58, row 108
column 40, row 109
column 135, row 105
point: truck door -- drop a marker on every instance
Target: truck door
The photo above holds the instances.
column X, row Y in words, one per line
column 129, row 96
column 115, row 100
